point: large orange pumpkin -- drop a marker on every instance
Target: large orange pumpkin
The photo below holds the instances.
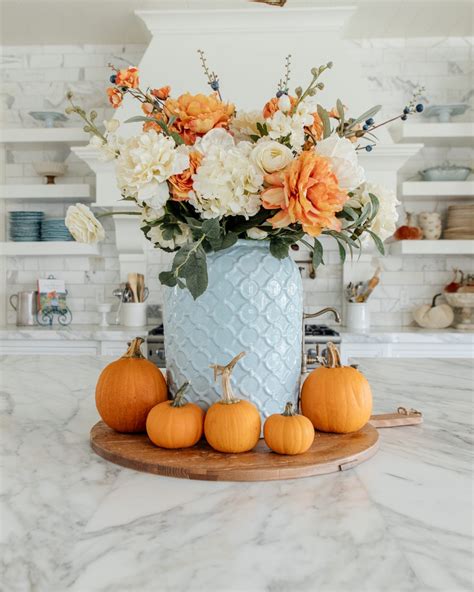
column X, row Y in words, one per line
column 231, row 424
column 336, row 398
column 288, row 432
column 128, row 389
column 176, row 423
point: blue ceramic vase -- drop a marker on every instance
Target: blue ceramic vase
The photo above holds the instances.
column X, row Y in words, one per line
column 253, row 303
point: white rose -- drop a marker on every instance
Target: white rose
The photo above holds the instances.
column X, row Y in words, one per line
column 215, row 137
column 83, row 225
column 256, row 233
column 154, row 194
column 284, row 103
column 270, row 156
column 385, row 221
column 344, row 161
column 155, row 234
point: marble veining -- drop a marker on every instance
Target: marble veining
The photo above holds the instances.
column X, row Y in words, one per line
column 73, row 522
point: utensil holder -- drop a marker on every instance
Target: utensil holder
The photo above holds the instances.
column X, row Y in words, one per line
column 133, row 314
column 357, row 316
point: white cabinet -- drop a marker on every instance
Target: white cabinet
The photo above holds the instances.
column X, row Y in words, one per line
column 353, row 351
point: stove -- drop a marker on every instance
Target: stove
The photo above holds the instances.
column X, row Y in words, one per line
column 316, row 337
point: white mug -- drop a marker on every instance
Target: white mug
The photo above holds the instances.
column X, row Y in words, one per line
column 133, row 314
column 357, row 316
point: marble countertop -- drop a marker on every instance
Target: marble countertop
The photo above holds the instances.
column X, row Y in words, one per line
column 73, row 522
column 120, row 333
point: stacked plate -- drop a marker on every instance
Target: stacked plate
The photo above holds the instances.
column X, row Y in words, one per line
column 25, row 226
column 54, row 229
column 460, row 222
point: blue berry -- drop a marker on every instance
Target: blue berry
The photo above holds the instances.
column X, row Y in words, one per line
column 215, row 85
column 113, row 78
column 368, row 148
column 419, row 108
column 370, row 121
column 279, row 94
column 403, row 117
column 406, row 110
column 365, row 127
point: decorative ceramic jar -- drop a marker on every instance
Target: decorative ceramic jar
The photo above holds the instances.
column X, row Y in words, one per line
column 430, row 224
column 253, row 303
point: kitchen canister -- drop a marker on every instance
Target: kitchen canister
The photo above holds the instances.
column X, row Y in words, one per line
column 133, row 314
column 357, row 316
column 430, row 224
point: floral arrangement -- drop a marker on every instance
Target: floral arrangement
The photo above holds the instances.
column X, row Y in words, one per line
column 204, row 174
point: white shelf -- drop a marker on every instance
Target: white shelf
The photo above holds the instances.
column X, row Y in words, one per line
column 438, row 189
column 434, row 134
column 38, row 136
column 45, row 192
column 53, row 248
column 432, row 247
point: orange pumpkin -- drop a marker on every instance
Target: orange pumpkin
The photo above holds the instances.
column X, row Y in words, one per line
column 288, row 432
column 176, row 423
column 336, row 398
column 127, row 389
column 231, row 424
column 409, row 231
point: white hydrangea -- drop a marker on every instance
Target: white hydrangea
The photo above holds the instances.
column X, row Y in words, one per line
column 244, row 124
column 344, row 161
column 146, row 161
column 385, row 222
column 155, row 234
column 226, row 183
column 108, row 150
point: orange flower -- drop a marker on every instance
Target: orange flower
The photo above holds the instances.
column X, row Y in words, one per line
column 271, row 107
column 197, row 114
column 147, row 108
column 161, row 93
column 307, row 192
column 316, row 128
column 128, row 78
column 154, row 125
column 182, row 184
column 115, row 97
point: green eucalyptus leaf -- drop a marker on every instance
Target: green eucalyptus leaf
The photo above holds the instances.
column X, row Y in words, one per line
column 340, row 111
column 167, row 278
column 195, row 270
column 378, row 243
column 279, row 248
column 323, row 114
column 228, row 240
column 370, row 113
column 342, row 251
column 318, row 251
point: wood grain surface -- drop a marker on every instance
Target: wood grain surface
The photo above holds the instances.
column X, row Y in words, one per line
column 329, row 453
column 393, row 420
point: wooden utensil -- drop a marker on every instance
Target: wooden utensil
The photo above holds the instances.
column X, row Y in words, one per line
column 141, row 287
column 403, row 417
column 371, row 285
column 133, row 281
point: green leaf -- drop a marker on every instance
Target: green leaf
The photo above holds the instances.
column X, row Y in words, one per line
column 138, row 118
column 375, row 205
column 167, row 278
column 323, row 114
column 195, row 272
column 228, row 240
column 279, row 248
column 340, row 111
column 364, row 214
column 342, row 251
column 318, row 251
column 378, row 243
column 177, row 138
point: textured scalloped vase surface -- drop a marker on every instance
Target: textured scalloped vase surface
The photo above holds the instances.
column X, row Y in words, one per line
column 253, row 303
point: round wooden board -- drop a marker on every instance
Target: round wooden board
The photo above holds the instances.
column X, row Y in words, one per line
column 328, row 454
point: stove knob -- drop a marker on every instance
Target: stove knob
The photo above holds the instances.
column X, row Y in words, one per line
column 312, row 356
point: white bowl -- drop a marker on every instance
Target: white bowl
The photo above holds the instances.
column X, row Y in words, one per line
column 460, row 299
column 50, row 169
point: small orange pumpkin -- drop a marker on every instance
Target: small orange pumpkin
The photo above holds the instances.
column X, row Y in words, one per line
column 288, row 432
column 336, row 398
column 231, row 424
column 409, row 231
column 127, row 389
column 176, row 423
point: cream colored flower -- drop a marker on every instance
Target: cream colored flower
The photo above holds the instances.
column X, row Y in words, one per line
column 256, row 233
column 150, row 214
column 344, row 161
column 244, row 124
column 270, row 156
column 281, row 126
column 155, row 234
column 83, row 225
column 227, row 183
column 145, row 162
column 111, row 125
column 385, row 221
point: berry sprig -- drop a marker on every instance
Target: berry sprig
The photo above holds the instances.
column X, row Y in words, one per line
column 212, row 78
column 313, row 86
column 282, row 88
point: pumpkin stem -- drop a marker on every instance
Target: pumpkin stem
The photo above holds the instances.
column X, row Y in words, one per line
column 228, row 396
column 134, row 349
column 179, row 400
column 289, row 410
column 435, row 297
column 333, row 359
